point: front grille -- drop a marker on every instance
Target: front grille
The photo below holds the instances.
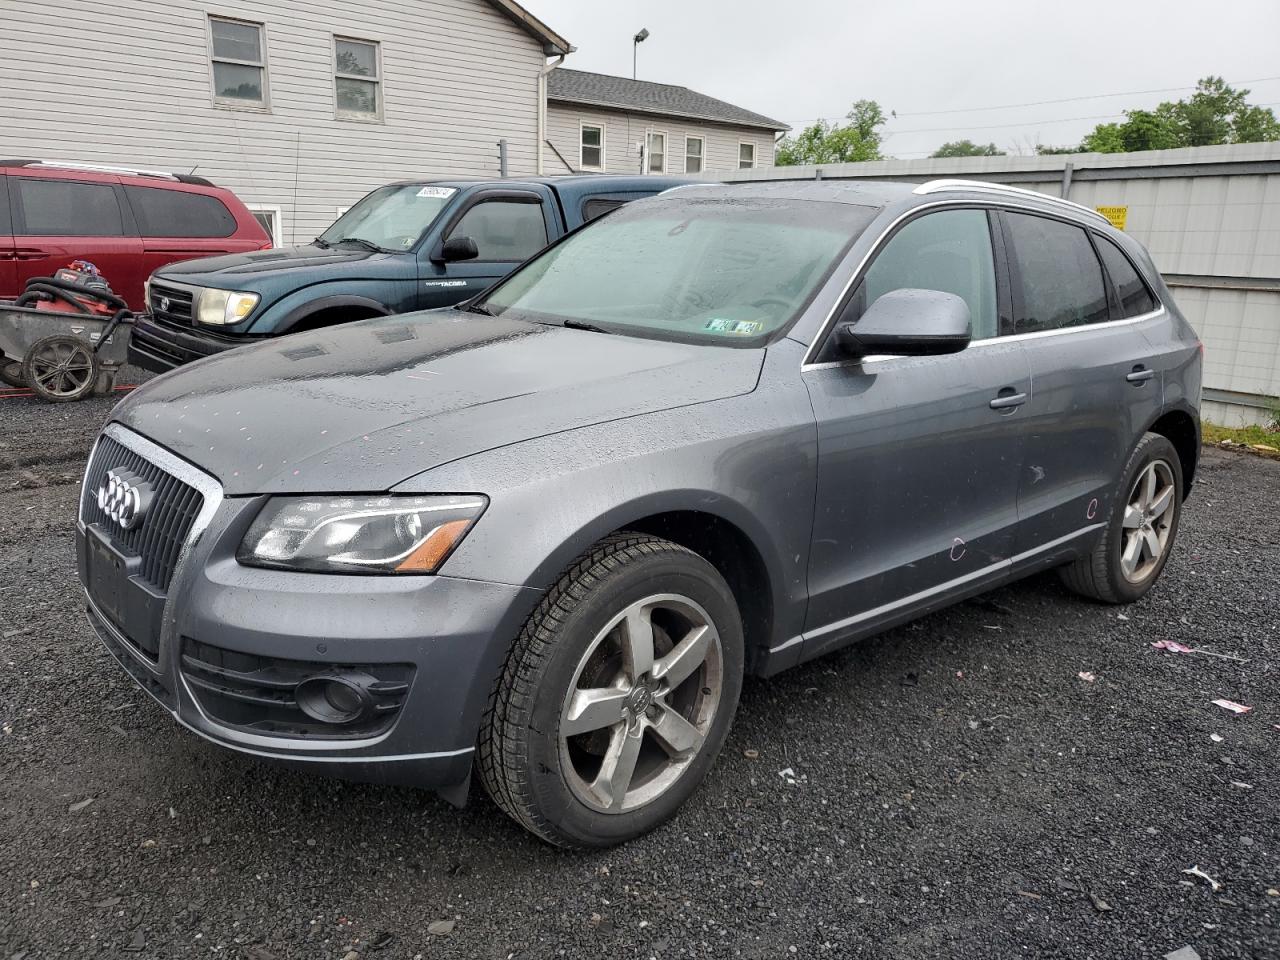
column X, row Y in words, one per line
column 258, row 694
column 172, row 304
column 158, row 539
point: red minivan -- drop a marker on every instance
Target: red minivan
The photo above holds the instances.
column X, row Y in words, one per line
column 126, row 222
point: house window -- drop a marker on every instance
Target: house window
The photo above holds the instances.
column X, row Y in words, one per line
column 591, row 146
column 357, row 79
column 239, row 62
column 269, row 215
column 657, row 151
column 746, row 156
column 693, row 150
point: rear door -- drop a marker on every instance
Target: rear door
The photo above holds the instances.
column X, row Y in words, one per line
column 8, row 257
column 1093, row 385
column 59, row 219
column 180, row 225
column 508, row 226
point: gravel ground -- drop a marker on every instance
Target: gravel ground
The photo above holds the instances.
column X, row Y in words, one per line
column 957, row 789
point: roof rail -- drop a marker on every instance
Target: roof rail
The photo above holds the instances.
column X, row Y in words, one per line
column 984, row 186
column 112, row 168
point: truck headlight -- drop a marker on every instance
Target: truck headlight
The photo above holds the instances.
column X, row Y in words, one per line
column 384, row 534
column 221, row 307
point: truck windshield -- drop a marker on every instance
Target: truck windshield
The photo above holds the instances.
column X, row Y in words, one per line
column 390, row 218
column 724, row 270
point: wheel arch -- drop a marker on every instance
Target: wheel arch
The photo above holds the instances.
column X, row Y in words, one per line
column 1182, row 429
column 311, row 315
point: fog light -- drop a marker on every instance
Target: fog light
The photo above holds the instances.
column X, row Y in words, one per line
column 335, row 700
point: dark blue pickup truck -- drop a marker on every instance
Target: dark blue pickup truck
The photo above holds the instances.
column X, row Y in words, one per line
column 406, row 246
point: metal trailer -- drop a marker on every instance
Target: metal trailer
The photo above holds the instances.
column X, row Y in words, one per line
column 62, row 356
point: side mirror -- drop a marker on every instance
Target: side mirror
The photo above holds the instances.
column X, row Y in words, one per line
column 457, row 248
column 911, row 323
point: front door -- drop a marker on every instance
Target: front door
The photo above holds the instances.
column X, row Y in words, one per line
column 918, row 457
column 507, row 227
column 1092, row 373
column 8, row 255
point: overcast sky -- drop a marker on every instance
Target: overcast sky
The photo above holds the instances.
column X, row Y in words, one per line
column 796, row 60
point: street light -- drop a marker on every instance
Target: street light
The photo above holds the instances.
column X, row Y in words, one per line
column 638, row 39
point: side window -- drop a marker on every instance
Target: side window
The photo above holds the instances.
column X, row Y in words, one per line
column 598, row 208
column 67, row 208
column 1056, row 272
column 1135, row 298
column 173, row 213
column 504, row 229
column 948, row 251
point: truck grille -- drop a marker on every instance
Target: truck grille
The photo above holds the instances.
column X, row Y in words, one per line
column 171, row 304
column 158, row 539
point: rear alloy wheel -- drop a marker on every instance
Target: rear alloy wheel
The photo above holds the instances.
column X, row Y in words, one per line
column 60, row 369
column 1140, row 533
column 617, row 696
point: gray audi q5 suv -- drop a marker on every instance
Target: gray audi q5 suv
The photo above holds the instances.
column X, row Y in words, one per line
column 543, row 536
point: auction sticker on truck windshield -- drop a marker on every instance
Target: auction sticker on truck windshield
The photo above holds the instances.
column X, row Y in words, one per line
column 437, row 193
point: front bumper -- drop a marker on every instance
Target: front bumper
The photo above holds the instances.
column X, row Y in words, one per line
column 438, row 641
column 160, row 346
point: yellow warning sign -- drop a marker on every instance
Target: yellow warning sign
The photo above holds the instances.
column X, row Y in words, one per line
column 1117, row 215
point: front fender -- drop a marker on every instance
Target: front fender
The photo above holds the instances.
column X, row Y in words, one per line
column 284, row 314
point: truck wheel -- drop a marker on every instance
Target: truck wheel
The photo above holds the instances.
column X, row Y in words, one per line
column 617, row 695
column 60, row 368
column 1140, row 534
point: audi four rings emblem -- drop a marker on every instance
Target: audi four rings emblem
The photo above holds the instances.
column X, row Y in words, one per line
column 124, row 497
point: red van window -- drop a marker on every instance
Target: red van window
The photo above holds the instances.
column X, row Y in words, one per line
column 69, row 208
column 175, row 213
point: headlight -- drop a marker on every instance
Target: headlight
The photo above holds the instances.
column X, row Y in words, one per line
column 220, row 307
column 390, row 534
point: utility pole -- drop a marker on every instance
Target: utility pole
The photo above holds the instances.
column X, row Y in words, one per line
column 638, row 39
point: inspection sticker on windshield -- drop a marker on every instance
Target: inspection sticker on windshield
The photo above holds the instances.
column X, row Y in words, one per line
column 438, row 193
column 739, row 328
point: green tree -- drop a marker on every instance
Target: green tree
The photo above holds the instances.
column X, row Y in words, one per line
column 823, row 142
column 1216, row 113
column 1044, row 150
column 967, row 148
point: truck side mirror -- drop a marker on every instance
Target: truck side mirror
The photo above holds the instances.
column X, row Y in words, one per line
column 457, row 248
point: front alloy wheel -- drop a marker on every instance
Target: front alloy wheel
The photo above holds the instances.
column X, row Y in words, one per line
column 617, row 695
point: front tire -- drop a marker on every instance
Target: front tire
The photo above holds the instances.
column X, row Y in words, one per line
column 617, row 696
column 1139, row 536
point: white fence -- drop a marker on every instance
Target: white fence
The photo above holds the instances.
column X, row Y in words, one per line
column 1209, row 215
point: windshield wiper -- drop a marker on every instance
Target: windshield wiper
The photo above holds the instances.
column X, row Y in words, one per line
column 322, row 243
column 478, row 308
column 583, row 325
column 367, row 244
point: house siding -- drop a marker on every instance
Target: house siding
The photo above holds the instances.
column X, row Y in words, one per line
column 624, row 132
column 88, row 81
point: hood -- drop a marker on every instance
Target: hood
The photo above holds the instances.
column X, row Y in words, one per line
column 364, row 406
column 233, row 270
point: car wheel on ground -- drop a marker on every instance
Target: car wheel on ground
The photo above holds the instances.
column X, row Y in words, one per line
column 617, row 696
column 1139, row 536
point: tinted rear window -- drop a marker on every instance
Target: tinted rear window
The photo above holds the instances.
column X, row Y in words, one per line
column 598, row 208
column 69, row 208
column 1135, row 298
column 1058, row 275
column 173, row 213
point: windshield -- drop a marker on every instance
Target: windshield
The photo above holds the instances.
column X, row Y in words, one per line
column 391, row 218
column 729, row 269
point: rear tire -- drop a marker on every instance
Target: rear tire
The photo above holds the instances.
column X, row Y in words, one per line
column 1139, row 536
column 617, row 695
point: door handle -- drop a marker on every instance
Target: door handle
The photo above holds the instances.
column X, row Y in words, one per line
column 1140, row 375
column 26, row 253
column 1007, row 399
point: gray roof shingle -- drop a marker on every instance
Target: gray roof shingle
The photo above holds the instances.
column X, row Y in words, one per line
column 602, row 90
